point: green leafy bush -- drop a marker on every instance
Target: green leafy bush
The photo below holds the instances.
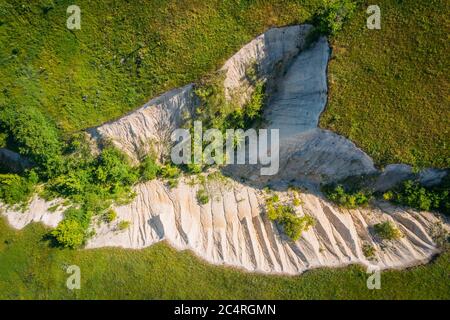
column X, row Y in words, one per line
column 149, row 169
column 387, row 231
column 110, row 216
column 293, row 226
column 69, row 233
column 34, row 135
column 368, row 251
column 170, row 172
column 15, row 189
column 346, row 199
column 122, row 225
column 285, row 215
column 412, row 194
column 333, row 15
column 202, row 196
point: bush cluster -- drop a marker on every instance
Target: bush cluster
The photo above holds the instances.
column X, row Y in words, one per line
column 216, row 111
column 332, row 16
column 348, row 199
column 202, row 196
column 15, row 189
column 414, row 195
column 285, row 215
column 387, row 231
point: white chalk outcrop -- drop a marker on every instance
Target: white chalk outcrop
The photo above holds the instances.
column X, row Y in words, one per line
column 232, row 228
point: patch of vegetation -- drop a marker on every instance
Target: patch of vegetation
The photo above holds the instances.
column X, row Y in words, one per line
column 123, row 225
column 34, row 136
column 368, row 251
column 285, row 215
column 345, row 198
column 110, row 216
column 149, row 169
column 332, row 16
column 217, row 112
column 17, row 190
column 70, row 233
column 387, row 231
column 202, row 196
column 413, row 194
column 387, row 87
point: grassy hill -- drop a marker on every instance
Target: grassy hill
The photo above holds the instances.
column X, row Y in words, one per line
column 389, row 88
column 125, row 53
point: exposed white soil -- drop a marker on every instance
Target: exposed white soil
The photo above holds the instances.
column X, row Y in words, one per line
column 232, row 228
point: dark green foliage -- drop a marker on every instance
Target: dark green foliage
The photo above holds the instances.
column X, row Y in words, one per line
column 149, row 169
column 15, row 189
column 331, row 17
column 69, row 233
column 387, row 231
column 217, row 112
column 202, row 196
column 285, row 215
column 122, row 225
column 93, row 183
column 33, row 135
column 348, row 199
column 414, row 195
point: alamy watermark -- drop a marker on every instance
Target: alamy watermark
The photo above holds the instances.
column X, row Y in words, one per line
column 374, row 20
column 74, row 20
column 237, row 146
column 374, row 280
column 74, row 280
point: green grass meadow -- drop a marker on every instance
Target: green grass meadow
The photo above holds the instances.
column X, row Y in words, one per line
column 389, row 88
column 30, row 268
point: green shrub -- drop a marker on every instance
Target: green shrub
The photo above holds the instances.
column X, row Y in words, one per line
column 34, row 135
column 296, row 201
column 69, row 233
column 368, row 251
column 285, row 215
column 293, row 226
column 172, row 183
column 333, row 15
column 149, row 169
column 170, row 172
column 110, row 216
column 387, row 231
column 412, row 194
column 346, row 199
column 15, row 189
column 202, row 196
column 194, row 168
column 122, row 225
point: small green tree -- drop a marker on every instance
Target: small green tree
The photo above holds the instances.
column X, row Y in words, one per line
column 122, row 225
column 202, row 196
column 69, row 233
column 149, row 169
column 387, row 231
